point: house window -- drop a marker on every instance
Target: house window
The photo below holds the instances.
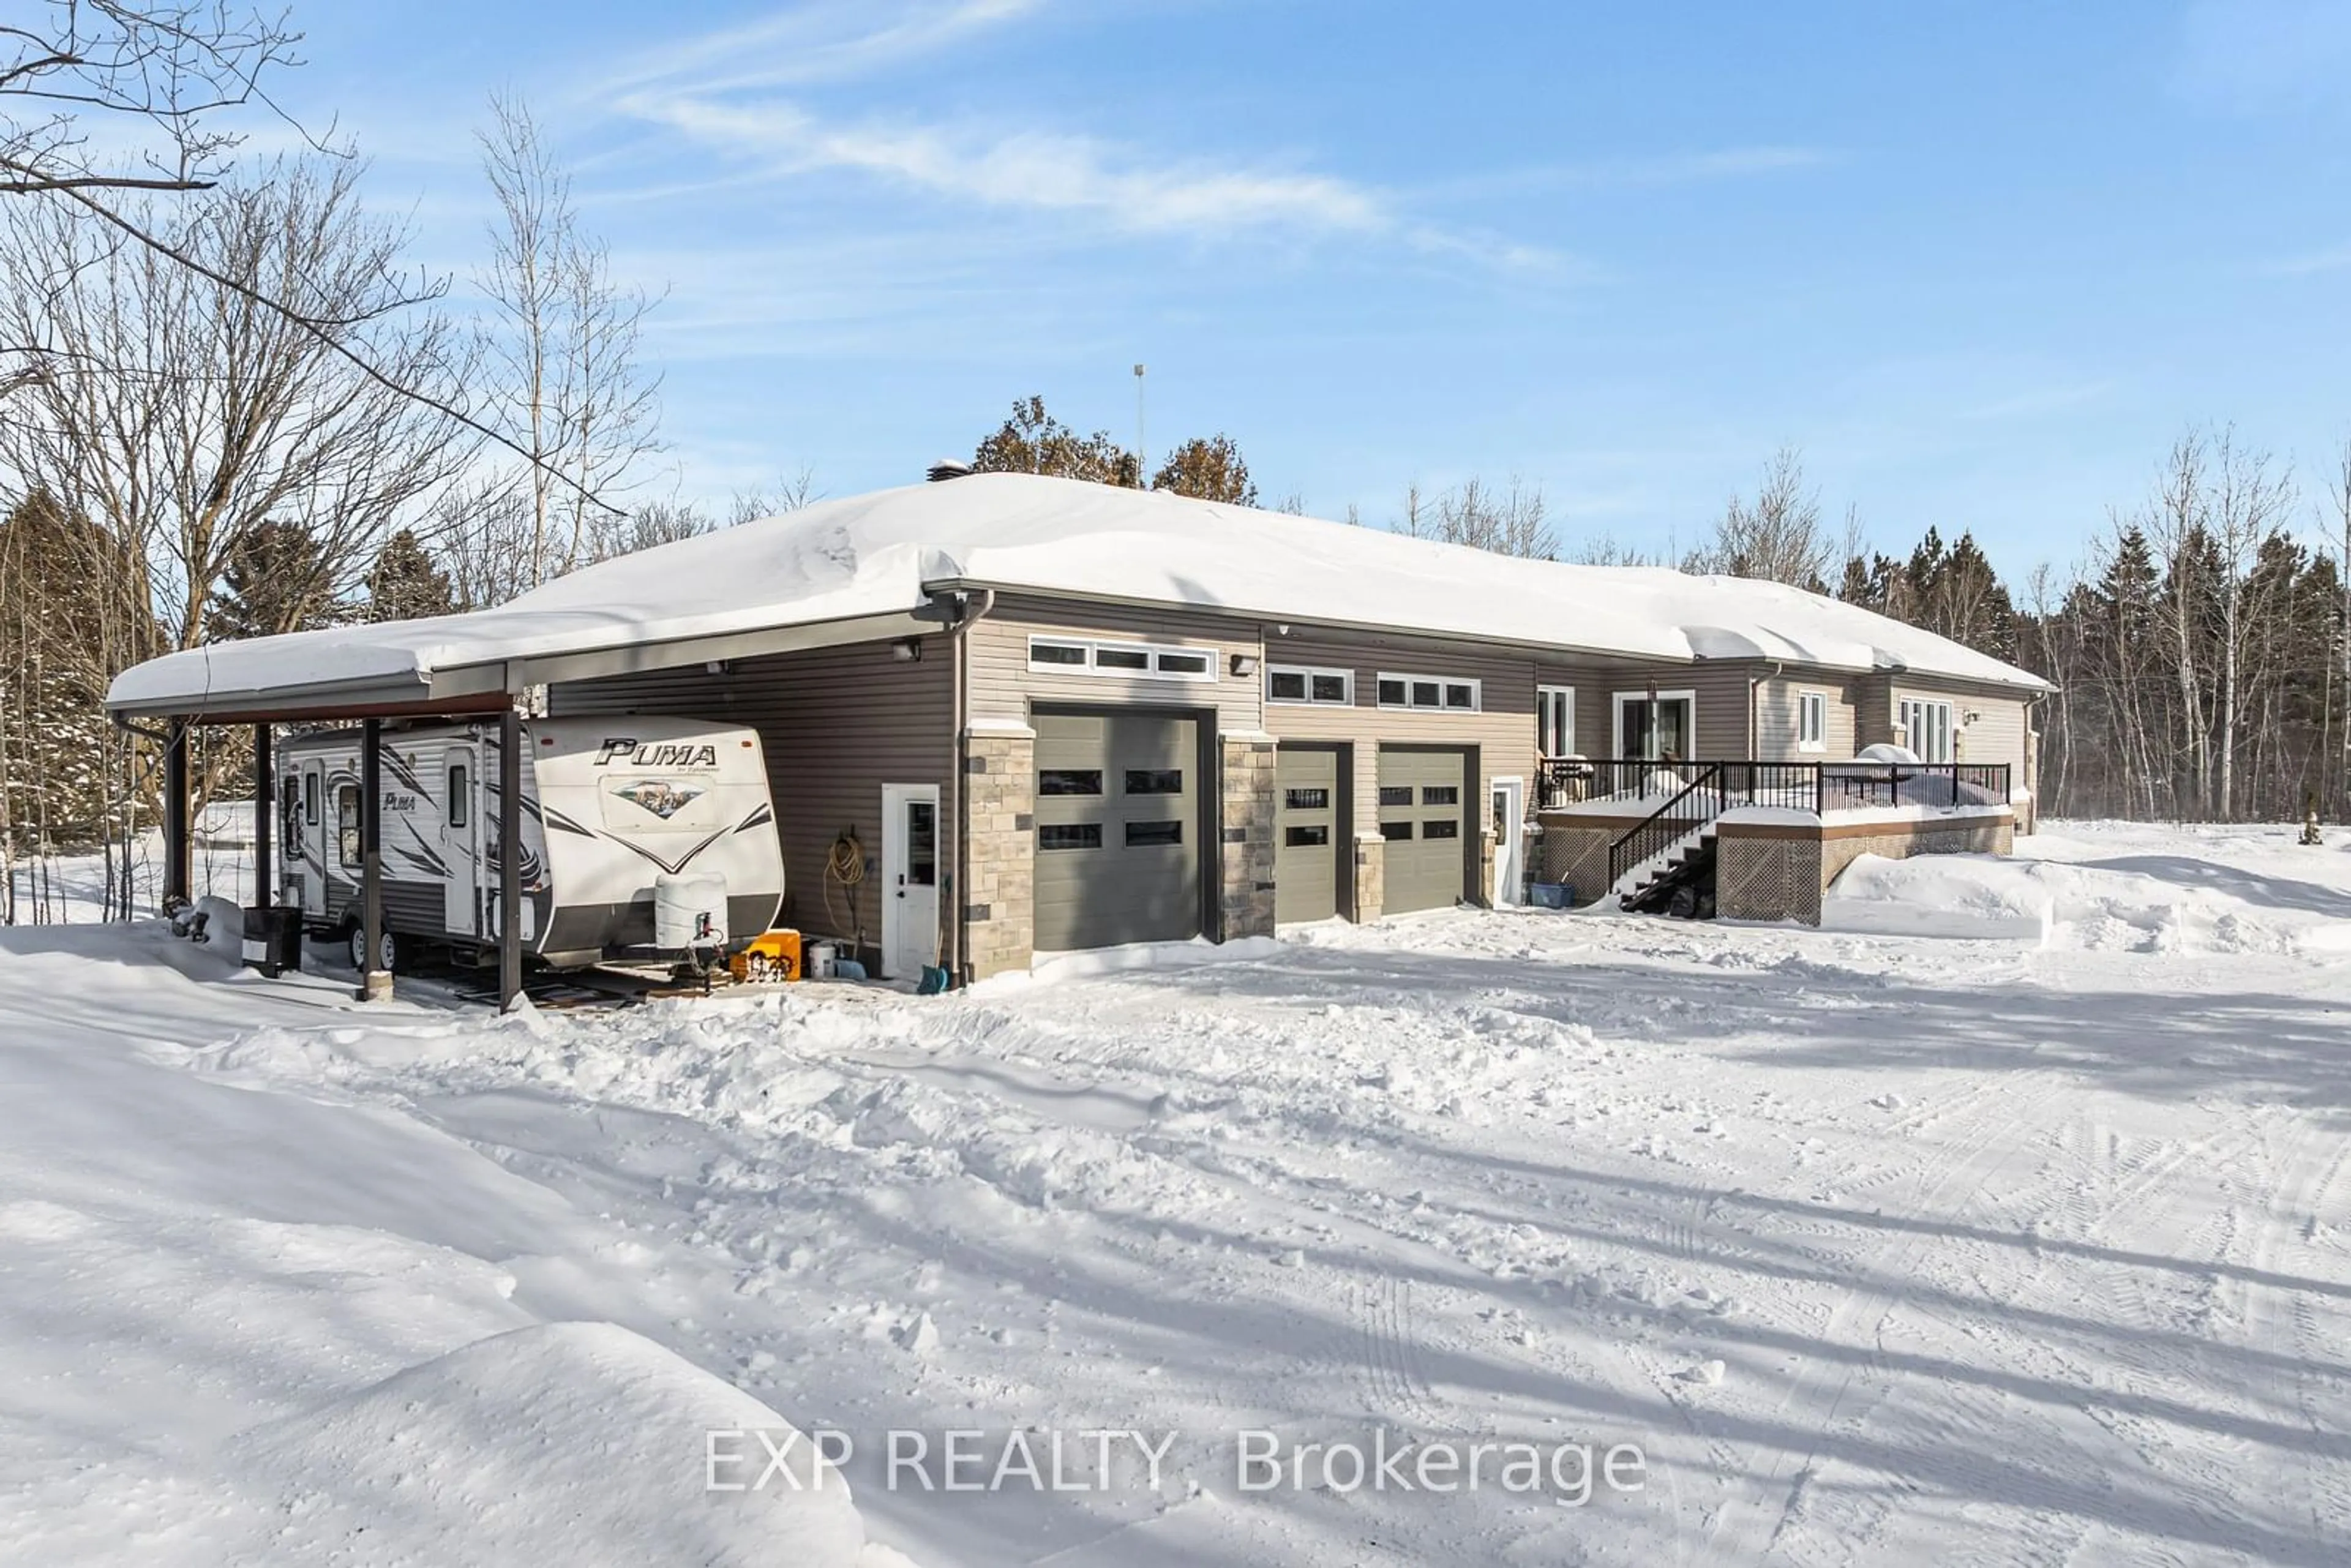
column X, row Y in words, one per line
column 1663, row 729
column 1440, row 795
column 1442, row 694
column 1395, row 794
column 1811, row 721
column 1306, row 800
column 1395, row 830
column 1070, row 836
column 1070, row 781
column 1442, row 828
column 1074, row 655
column 1929, row 726
column 1297, row 683
column 1139, row 836
column 1555, row 721
column 347, row 827
column 1307, row 837
column 1154, row 781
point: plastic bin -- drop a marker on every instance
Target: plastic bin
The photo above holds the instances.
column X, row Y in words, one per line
column 1551, row 894
column 273, row 939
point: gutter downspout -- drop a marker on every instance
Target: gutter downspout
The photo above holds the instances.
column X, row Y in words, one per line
column 977, row 603
column 1754, row 711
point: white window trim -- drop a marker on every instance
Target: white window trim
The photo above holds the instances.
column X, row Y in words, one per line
column 1477, row 692
column 1950, row 726
column 1542, row 718
column 1156, row 652
column 1624, row 699
column 1820, row 741
column 1310, row 672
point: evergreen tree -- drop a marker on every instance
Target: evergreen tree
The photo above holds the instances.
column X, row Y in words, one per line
column 276, row 579
column 405, row 583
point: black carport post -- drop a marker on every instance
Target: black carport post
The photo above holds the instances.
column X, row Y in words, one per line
column 265, row 818
column 510, row 767
column 179, row 855
column 375, row 984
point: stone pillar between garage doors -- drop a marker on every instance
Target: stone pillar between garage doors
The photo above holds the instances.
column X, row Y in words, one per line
column 1245, row 893
column 999, row 816
column 1371, row 878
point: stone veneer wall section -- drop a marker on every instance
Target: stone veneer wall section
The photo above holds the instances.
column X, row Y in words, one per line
column 1245, row 894
column 1371, row 878
column 999, row 815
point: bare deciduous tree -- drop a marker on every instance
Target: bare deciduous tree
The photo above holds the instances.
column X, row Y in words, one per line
column 1511, row 520
column 566, row 391
column 1779, row 537
column 180, row 415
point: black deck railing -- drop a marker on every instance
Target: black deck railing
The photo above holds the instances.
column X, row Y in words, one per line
column 1677, row 799
column 1699, row 803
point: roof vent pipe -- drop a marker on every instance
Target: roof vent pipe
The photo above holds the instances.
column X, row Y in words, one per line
column 947, row 468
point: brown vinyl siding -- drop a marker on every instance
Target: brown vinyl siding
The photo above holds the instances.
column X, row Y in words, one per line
column 1003, row 686
column 1719, row 719
column 1502, row 733
column 835, row 725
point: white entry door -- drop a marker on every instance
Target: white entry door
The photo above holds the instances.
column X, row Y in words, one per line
column 461, row 840
column 910, row 879
column 316, row 840
column 1510, row 840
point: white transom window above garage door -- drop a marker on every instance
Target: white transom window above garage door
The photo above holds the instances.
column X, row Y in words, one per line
column 1135, row 661
column 1438, row 693
column 1303, row 683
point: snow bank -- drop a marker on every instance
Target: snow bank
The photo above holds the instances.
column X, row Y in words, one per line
column 2060, row 906
column 561, row 1443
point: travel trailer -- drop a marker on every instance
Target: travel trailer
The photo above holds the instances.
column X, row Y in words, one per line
column 643, row 837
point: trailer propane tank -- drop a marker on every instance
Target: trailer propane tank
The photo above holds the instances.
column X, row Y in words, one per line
column 690, row 912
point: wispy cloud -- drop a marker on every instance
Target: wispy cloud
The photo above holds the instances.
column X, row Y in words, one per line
column 1635, row 171
column 1025, row 169
column 752, row 97
column 826, row 42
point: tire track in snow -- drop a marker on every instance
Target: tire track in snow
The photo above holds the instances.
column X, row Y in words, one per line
column 1825, row 1392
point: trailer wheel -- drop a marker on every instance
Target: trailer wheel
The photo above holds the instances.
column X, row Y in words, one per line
column 390, row 949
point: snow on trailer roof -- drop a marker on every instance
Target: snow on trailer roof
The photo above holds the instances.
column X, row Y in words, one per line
column 881, row 554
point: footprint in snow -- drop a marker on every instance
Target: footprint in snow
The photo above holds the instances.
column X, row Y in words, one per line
column 1705, row 1374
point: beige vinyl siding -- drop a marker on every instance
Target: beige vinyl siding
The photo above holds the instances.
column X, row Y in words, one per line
column 1775, row 716
column 1003, row 686
column 1719, row 721
column 1503, row 732
column 835, row 725
column 1997, row 735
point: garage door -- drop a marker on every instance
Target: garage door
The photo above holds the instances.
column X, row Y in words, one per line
column 1306, row 833
column 1422, row 805
column 1118, row 818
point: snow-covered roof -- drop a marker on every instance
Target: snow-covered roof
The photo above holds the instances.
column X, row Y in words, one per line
column 881, row 554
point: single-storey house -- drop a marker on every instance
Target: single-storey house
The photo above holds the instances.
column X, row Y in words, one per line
column 1006, row 714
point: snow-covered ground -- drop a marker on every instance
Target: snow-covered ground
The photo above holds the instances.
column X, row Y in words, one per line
column 2007, row 1221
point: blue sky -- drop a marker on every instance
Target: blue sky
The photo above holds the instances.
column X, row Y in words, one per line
column 1981, row 262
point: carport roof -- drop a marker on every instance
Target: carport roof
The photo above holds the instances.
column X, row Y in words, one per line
column 851, row 570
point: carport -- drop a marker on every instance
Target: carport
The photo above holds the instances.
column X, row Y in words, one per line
column 444, row 668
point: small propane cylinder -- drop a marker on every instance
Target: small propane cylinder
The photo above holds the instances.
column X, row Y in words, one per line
column 690, row 911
